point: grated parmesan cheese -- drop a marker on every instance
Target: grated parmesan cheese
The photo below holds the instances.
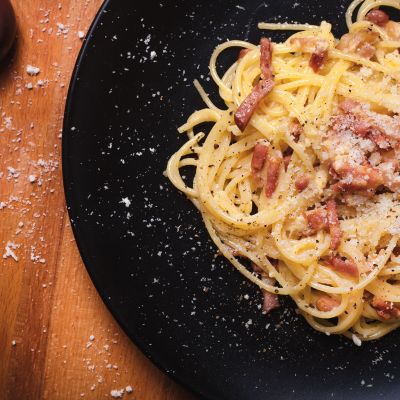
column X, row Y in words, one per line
column 126, row 201
column 32, row 71
column 357, row 341
column 117, row 393
column 129, row 389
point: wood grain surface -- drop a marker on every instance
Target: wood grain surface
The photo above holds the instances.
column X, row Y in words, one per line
column 57, row 339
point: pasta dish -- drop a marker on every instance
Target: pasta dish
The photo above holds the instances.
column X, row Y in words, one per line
column 298, row 179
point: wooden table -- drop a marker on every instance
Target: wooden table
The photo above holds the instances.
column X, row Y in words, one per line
column 57, row 339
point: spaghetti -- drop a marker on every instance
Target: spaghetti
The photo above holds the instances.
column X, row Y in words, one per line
column 298, row 180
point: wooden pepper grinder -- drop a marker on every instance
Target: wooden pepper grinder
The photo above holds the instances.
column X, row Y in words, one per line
column 8, row 27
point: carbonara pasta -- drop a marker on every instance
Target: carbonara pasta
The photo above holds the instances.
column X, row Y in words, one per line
column 298, row 180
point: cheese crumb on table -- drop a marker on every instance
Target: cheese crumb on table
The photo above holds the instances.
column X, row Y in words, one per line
column 129, row 389
column 31, row 70
column 117, row 394
column 32, row 178
column 10, row 246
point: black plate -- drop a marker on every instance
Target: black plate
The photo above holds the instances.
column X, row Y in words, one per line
column 151, row 260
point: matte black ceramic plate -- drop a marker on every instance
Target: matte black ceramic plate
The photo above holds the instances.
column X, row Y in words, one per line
column 144, row 244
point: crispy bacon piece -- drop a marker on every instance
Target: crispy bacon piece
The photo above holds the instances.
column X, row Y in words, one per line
column 318, row 48
column 273, row 167
column 260, row 91
column 266, row 58
column 271, row 301
column 393, row 30
column 343, row 266
column 355, row 136
column 257, row 162
column 265, row 167
column 318, row 58
column 360, row 42
column 326, row 303
column 242, row 53
column 361, row 178
column 250, row 103
column 383, row 130
column 259, row 156
column 377, row 17
column 385, row 309
column 302, row 182
column 356, row 120
column 353, row 120
column 334, row 224
column 317, row 220
column 325, row 219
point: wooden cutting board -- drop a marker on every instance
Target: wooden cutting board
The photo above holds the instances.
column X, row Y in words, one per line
column 57, row 339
